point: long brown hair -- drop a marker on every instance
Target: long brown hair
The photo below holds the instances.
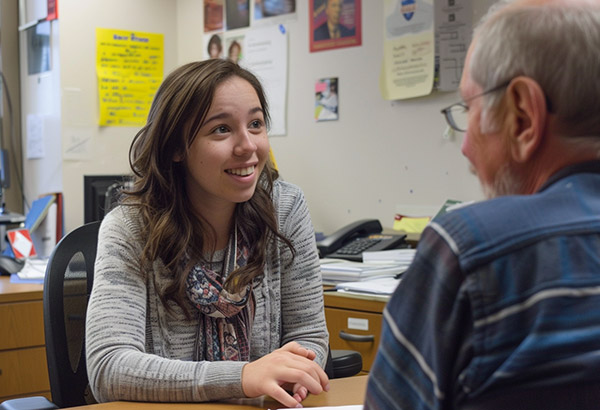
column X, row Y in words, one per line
column 171, row 230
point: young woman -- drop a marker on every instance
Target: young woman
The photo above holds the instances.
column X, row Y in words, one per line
column 207, row 283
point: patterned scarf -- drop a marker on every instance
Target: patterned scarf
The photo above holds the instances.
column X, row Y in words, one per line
column 226, row 319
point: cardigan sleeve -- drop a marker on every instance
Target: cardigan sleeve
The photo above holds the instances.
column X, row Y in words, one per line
column 302, row 308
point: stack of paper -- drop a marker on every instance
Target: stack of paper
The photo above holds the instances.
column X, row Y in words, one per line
column 33, row 269
column 338, row 270
column 401, row 257
column 375, row 286
column 390, row 263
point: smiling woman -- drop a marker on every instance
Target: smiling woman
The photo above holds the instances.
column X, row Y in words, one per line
column 207, row 281
column 227, row 155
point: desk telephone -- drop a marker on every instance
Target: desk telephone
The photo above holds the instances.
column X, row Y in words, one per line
column 352, row 240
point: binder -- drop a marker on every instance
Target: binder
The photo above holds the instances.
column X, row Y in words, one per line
column 38, row 211
column 44, row 237
column 60, row 220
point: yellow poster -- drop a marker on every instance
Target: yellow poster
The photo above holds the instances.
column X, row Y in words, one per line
column 409, row 49
column 130, row 69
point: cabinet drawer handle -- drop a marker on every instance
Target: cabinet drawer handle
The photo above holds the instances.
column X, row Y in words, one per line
column 356, row 338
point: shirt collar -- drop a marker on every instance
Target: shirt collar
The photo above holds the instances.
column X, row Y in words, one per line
column 582, row 167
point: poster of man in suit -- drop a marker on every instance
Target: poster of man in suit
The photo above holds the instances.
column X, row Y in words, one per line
column 334, row 24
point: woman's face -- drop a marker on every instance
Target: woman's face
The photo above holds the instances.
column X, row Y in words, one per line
column 229, row 152
column 214, row 51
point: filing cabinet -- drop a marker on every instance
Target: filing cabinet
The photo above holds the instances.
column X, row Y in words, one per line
column 354, row 323
column 23, row 368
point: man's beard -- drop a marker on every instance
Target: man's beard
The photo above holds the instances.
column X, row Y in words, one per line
column 506, row 182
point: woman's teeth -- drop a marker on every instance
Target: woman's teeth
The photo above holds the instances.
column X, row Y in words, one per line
column 241, row 171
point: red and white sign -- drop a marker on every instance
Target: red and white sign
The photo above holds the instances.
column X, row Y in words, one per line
column 21, row 243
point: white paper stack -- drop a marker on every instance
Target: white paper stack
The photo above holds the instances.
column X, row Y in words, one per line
column 402, row 257
column 384, row 286
column 338, row 270
column 390, row 263
column 33, row 269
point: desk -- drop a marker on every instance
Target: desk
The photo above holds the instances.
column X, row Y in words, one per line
column 23, row 369
column 346, row 391
column 354, row 323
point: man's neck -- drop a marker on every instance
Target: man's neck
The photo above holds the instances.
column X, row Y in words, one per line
column 556, row 154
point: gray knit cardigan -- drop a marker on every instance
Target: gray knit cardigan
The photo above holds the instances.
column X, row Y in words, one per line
column 137, row 351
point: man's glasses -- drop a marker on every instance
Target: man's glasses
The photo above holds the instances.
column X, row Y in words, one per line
column 457, row 114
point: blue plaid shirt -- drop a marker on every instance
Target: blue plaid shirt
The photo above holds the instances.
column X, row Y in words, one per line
column 501, row 294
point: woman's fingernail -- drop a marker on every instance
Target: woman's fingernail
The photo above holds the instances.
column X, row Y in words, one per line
column 299, row 406
column 327, row 387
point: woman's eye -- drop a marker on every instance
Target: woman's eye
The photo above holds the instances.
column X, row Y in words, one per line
column 256, row 124
column 221, row 129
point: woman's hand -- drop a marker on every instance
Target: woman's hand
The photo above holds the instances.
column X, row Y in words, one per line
column 292, row 365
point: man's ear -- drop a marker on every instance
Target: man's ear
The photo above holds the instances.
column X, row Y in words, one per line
column 526, row 116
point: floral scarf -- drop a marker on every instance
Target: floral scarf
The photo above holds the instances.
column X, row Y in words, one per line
column 226, row 319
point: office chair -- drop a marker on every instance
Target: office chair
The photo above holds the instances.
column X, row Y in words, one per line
column 67, row 286
column 343, row 363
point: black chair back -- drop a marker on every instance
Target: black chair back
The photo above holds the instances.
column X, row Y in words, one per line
column 67, row 288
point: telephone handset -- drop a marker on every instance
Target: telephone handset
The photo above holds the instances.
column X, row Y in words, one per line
column 352, row 240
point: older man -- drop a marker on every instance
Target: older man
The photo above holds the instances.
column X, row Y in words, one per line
column 501, row 307
column 332, row 28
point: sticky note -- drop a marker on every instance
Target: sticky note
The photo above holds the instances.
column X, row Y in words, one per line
column 410, row 224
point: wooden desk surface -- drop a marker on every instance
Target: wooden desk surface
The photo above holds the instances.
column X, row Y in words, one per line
column 366, row 303
column 346, row 391
column 18, row 292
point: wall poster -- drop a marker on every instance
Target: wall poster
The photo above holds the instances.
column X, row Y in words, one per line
column 334, row 24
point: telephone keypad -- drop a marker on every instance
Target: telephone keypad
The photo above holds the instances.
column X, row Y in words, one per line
column 358, row 245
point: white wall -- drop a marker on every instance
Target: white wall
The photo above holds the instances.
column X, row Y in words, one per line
column 377, row 158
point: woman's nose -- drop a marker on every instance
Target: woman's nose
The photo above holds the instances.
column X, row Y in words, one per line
column 245, row 143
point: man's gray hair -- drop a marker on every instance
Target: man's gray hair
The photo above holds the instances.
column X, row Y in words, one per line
column 556, row 45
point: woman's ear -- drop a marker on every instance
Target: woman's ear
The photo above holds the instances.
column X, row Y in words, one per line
column 527, row 115
column 178, row 157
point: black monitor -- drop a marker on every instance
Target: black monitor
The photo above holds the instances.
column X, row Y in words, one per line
column 94, row 194
column 4, row 169
column 4, row 179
